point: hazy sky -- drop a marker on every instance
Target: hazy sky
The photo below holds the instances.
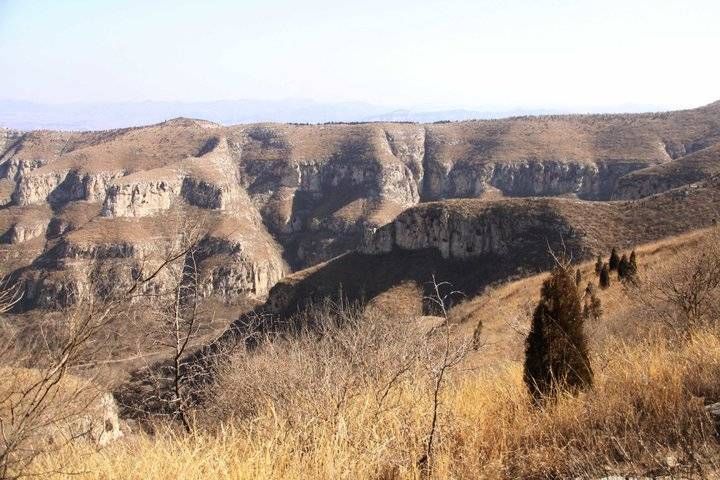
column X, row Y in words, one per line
column 469, row 53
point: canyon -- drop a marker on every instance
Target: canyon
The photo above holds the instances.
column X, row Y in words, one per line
column 267, row 200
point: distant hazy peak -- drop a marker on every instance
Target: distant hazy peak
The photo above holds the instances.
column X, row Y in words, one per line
column 104, row 116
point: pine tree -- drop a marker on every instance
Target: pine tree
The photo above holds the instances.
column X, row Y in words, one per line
column 556, row 356
column 632, row 267
column 605, row 276
column 614, row 259
column 578, row 278
column 592, row 307
column 598, row 265
column 623, row 267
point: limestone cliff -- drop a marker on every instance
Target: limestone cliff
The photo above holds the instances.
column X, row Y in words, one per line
column 277, row 197
column 472, row 243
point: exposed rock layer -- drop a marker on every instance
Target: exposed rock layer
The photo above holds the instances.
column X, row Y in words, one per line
column 270, row 194
column 472, row 243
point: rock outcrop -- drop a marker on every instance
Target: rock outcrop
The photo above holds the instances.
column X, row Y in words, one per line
column 285, row 197
column 472, row 243
column 137, row 197
column 60, row 187
column 74, row 409
column 695, row 167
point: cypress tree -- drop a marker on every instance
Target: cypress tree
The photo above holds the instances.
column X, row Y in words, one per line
column 598, row 265
column 605, row 276
column 623, row 267
column 592, row 307
column 556, row 356
column 632, row 267
column 578, row 278
column 614, row 259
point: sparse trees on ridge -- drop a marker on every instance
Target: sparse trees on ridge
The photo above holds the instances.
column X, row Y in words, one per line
column 625, row 267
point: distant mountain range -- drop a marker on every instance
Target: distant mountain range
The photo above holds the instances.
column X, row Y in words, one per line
column 24, row 115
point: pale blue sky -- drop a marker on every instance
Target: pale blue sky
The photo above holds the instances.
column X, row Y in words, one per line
column 465, row 53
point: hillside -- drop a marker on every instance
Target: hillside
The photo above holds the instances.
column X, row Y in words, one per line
column 357, row 401
column 475, row 243
column 276, row 198
column 503, row 309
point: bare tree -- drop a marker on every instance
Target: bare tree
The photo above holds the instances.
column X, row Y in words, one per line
column 170, row 386
column 44, row 401
column 450, row 356
column 180, row 324
column 684, row 291
column 40, row 398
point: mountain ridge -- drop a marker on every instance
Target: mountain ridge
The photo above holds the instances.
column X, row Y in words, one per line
column 284, row 197
column 98, row 116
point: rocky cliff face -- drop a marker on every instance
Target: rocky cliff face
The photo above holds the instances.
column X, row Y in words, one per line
column 472, row 243
column 141, row 198
column 701, row 165
column 60, row 187
column 138, row 220
column 460, row 230
column 527, row 178
column 273, row 195
column 8, row 138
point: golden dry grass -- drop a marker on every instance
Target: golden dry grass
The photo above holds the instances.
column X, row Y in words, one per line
column 504, row 310
column 310, row 408
column 647, row 405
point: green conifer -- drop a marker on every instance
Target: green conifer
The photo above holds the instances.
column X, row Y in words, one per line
column 623, row 267
column 605, row 276
column 614, row 259
column 592, row 308
column 632, row 267
column 556, row 354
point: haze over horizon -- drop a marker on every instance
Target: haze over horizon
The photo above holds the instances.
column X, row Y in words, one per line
column 350, row 62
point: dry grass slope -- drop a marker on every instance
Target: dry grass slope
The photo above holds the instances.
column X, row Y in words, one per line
column 320, row 407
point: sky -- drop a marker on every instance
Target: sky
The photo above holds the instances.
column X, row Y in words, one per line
column 450, row 53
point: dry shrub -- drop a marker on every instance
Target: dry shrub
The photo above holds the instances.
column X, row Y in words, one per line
column 646, row 406
column 684, row 291
column 340, row 353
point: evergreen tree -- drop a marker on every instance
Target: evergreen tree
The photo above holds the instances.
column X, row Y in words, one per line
column 598, row 265
column 605, row 276
column 623, row 267
column 578, row 278
column 614, row 259
column 592, row 307
column 556, row 356
column 632, row 267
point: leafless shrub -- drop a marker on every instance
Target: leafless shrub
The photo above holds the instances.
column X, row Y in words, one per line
column 449, row 357
column 316, row 369
column 336, row 352
column 331, row 358
column 684, row 291
column 43, row 403
column 44, row 406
